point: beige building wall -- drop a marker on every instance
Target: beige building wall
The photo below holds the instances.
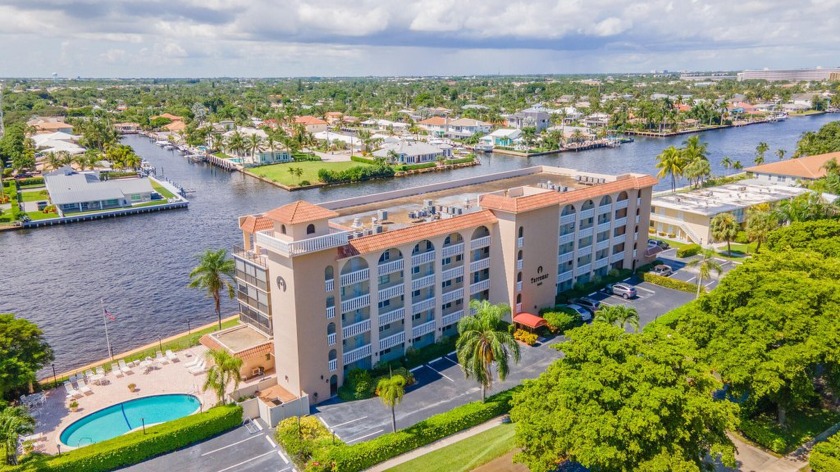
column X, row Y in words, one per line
column 539, row 246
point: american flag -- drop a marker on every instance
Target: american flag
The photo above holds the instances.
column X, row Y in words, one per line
column 110, row 315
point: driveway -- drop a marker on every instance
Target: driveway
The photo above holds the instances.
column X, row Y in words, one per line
column 684, row 272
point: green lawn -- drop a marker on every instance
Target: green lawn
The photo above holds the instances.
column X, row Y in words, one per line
column 161, row 190
column 464, row 455
column 39, row 215
column 280, row 172
column 34, row 196
column 671, row 242
column 802, row 426
column 151, row 203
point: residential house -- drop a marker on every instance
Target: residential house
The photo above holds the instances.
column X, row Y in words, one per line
column 597, row 120
column 127, row 128
column 466, row 127
column 501, row 137
column 73, row 192
column 412, row 152
column 534, row 117
column 333, row 117
column 312, row 124
column 792, row 171
column 436, row 125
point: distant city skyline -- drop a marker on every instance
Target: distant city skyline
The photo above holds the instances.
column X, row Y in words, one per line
column 256, row 38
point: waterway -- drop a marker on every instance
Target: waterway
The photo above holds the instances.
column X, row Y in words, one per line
column 140, row 264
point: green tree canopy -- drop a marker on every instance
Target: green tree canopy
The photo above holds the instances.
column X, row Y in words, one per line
column 483, row 342
column 23, row 352
column 827, row 139
column 214, row 274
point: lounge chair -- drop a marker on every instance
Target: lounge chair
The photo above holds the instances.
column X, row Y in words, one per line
column 196, row 360
column 72, row 378
column 116, row 370
column 199, row 369
column 82, row 387
column 100, row 371
column 159, row 358
column 124, row 368
column 171, row 356
column 71, row 391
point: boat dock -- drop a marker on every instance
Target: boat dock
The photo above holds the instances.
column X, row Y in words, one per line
column 101, row 215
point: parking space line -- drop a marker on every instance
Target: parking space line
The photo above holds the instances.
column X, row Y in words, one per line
column 323, row 421
column 229, row 445
column 416, row 368
column 282, row 456
column 348, row 422
column 440, row 373
column 645, row 289
column 270, row 441
column 259, row 426
column 710, row 283
column 362, row 437
column 627, row 279
column 452, row 353
column 245, row 462
column 450, row 360
column 689, row 280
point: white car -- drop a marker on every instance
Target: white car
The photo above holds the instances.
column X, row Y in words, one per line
column 585, row 315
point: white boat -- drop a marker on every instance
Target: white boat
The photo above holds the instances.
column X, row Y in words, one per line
column 483, row 147
column 162, row 143
column 196, row 157
column 779, row 117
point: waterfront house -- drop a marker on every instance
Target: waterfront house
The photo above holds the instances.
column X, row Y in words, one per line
column 534, row 117
column 331, row 137
column 127, row 128
column 312, row 124
column 792, row 171
column 73, row 192
column 597, row 120
column 502, row 137
column 333, row 117
column 53, row 127
column 466, row 127
column 436, row 125
column 413, row 152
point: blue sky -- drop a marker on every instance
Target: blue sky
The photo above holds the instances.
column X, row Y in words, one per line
column 263, row 38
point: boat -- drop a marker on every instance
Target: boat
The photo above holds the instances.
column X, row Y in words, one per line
column 196, row 157
column 169, row 147
column 483, row 148
column 776, row 117
column 162, row 143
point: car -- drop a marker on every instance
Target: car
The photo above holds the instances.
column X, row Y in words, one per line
column 657, row 243
column 663, row 270
column 623, row 290
column 583, row 312
column 588, row 303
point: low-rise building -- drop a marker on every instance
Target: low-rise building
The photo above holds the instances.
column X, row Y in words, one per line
column 534, row 117
column 73, row 192
column 501, row 137
column 312, row 124
column 792, row 171
column 413, row 152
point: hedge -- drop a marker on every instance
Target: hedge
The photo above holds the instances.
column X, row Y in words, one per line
column 463, row 160
column 300, row 437
column 355, row 174
column 306, row 157
column 366, row 454
column 31, row 181
column 561, row 320
column 668, row 282
column 825, row 457
column 138, row 446
column 362, row 160
column 689, row 250
column 763, row 433
column 425, row 165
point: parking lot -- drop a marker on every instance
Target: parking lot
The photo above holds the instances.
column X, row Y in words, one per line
column 689, row 274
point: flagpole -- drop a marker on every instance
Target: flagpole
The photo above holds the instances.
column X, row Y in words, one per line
column 105, row 321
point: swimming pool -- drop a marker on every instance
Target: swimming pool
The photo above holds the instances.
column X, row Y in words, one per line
column 123, row 417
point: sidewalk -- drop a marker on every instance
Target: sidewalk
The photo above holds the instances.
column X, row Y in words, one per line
column 752, row 459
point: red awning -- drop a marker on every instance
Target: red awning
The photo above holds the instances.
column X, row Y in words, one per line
column 529, row 320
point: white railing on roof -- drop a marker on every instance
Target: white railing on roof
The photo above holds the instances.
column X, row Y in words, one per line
column 392, row 341
column 356, row 329
column 602, row 209
column 390, row 267
column 304, row 246
column 422, row 329
column 356, row 354
column 355, row 303
column 453, row 250
column 480, row 242
column 418, row 259
column 354, row 277
column 391, row 292
column 391, row 316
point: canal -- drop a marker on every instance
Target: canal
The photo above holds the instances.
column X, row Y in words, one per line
column 140, row 264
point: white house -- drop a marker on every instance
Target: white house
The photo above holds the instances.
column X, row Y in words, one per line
column 413, row 152
column 502, row 137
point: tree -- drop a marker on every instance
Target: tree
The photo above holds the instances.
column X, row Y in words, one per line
column 213, row 274
column 483, row 342
column 619, row 315
column 761, row 220
column 806, row 207
column 737, row 165
column 780, row 153
column 23, row 352
column 621, row 401
column 705, row 265
column 694, row 149
column 724, row 227
column 254, row 143
column 14, row 422
column 225, row 369
column 391, row 391
column 826, row 140
column 760, row 151
column 726, row 162
column 670, row 162
column 697, row 170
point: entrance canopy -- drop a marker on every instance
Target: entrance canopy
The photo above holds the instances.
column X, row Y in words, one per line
column 529, row 320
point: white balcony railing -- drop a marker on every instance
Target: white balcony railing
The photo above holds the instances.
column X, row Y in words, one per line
column 518, row 308
column 566, row 257
column 289, row 249
column 391, row 292
column 391, row 316
column 392, row 341
column 480, row 265
column 423, row 282
column 452, row 318
column 621, row 222
column 519, row 264
column 479, row 286
column 520, row 243
column 584, row 214
column 601, row 262
column 331, row 339
column 356, row 329
column 585, row 232
column 617, row 257
column 356, row 354
column 390, row 267
column 480, row 242
column 453, row 295
column 605, row 226
column 452, row 273
column 600, row 245
column 423, row 305
column 329, row 285
column 567, row 238
column 330, row 312
column 418, row 259
column 603, row 209
column 453, row 250
column 422, row 329
column 621, row 204
column 355, row 277
column 519, row 286
column 333, row 365
column 566, row 219
column 562, row 277
column 355, row 303
column 619, row 239
column 638, row 219
column 584, row 269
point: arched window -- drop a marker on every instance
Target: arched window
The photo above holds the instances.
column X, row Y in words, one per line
column 521, row 231
column 622, row 196
column 606, row 200
column 518, row 298
column 519, row 256
column 310, row 229
column 588, row 205
column 568, row 210
column 519, row 277
column 329, row 273
column 282, row 229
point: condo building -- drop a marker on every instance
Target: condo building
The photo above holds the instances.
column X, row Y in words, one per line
column 352, row 283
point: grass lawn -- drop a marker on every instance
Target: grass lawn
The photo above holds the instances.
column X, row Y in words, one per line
column 35, row 196
column 40, row 215
column 148, row 204
column 280, row 172
column 464, row 455
column 739, row 251
column 671, row 242
column 802, row 426
column 161, row 190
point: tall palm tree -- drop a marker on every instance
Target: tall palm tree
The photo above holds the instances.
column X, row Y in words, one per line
column 53, row 161
column 255, row 143
column 620, row 315
column 694, row 149
column 670, row 162
column 391, row 392
column 226, row 368
column 780, row 153
column 737, row 165
column 706, row 264
column 726, row 162
column 14, row 422
column 213, row 274
column 761, row 220
column 484, row 341
column 724, row 227
column 760, row 150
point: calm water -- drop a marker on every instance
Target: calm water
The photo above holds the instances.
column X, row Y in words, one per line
column 139, row 265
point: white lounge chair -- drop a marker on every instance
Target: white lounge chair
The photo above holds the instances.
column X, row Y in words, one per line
column 124, row 368
column 171, row 356
column 199, row 369
column 71, row 391
column 115, row 368
column 88, row 374
column 196, row 360
column 160, row 359
column 82, row 387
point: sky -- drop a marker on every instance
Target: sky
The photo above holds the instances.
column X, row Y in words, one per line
column 283, row 38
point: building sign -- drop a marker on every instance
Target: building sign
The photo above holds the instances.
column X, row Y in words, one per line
column 281, row 283
column 540, row 276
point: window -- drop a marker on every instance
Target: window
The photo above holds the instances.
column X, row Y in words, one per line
column 415, row 316
column 384, row 279
column 384, row 303
column 310, row 229
column 446, row 283
column 415, row 270
column 283, row 229
column 447, row 260
column 415, row 293
column 521, row 231
column 384, row 327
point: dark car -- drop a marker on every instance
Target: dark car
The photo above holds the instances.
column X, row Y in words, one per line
column 660, row 244
column 588, row 303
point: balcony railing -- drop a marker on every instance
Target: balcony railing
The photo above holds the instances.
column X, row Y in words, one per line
column 423, row 282
column 602, row 209
column 329, row 285
column 424, row 305
column 391, row 316
column 479, row 286
column 356, row 354
column 452, row 273
column 619, row 239
column 602, row 244
column 566, row 257
column 605, row 226
column 355, row 303
column 520, row 243
column 355, row 277
column 330, row 312
column 617, row 257
column 519, row 264
column 585, row 232
column 567, row 238
column 519, row 286
column 603, row 262
column 584, row 269
column 356, row 329
column 480, row 265
column 452, row 318
column 251, row 256
column 391, row 292
column 424, row 258
column 519, row 308
column 453, row 250
column 621, row 222
column 390, row 267
column 621, row 204
column 305, row 246
column 422, row 329
column 331, row 339
column 584, row 214
column 333, row 365
column 638, row 219
column 453, row 295
column 391, row 341
column 480, row 242
column 566, row 219
column 564, row 276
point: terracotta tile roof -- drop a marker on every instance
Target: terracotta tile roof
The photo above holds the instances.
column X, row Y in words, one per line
column 809, row 167
column 418, row 232
column 53, row 125
column 170, row 116
column 210, row 343
column 253, row 223
column 176, row 126
column 299, row 212
column 260, row 350
column 545, row 199
column 309, row 120
column 433, row 121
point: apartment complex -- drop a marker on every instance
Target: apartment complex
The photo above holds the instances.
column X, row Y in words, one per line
column 353, row 283
column 795, row 75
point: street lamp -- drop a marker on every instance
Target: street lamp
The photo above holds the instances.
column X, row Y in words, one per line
column 55, row 377
column 189, row 328
column 160, row 344
column 143, row 420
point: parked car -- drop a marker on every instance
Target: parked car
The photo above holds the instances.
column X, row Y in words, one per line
column 663, row 270
column 657, row 243
column 623, row 290
column 583, row 312
column 588, row 303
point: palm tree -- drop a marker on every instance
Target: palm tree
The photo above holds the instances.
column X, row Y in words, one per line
column 53, row 161
column 235, row 143
column 226, row 368
column 694, row 149
column 780, row 153
column 760, row 150
column 737, row 165
column 706, row 264
column 483, row 341
column 619, row 315
column 726, row 162
column 255, row 143
column 14, row 421
column 761, row 220
column 670, row 162
column 391, row 392
column 214, row 273
column 724, row 227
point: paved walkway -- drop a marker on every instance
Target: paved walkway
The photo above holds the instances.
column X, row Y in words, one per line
column 752, row 459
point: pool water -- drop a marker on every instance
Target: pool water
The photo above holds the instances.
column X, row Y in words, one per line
column 124, row 417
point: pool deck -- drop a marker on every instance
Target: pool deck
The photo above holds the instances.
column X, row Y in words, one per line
column 55, row 415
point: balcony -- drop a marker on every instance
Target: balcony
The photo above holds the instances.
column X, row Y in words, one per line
column 251, row 256
column 355, row 303
column 391, row 316
column 333, row 365
column 617, row 257
column 621, row 204
column 584, row 214
column 453, row 295
column 452, row 273
column 603, row 209
column 421, row 306
column 452, row 318
column 564, row 258
column 638, row 219
column 619, row 222
column 480, row 242
column 480, row 286
column 331, row 339
column 329, row 285
column 424, row 258
column 390, row 267
column 355, row 277
column 566, row 219
column 304, row 246
column 567, row 238
column 422, row 329
column 519, row 264
column 564, row 276
column 518, row 308
column 356, row 354
column 423, row 282
column 605, row 226
column 391, row 341
column 330, row 312
column 600, row 245
column 453, row 250
column 391, row 292
column 602, row 262
column 585, row 232
column 356, row 329
column 520, row 243
column 519, row 286
column 584, row 269
column 480, row 265
column 619, row 239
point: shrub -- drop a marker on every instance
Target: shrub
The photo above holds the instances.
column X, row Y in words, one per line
column 562, row 320
column 355, row 174
column 741, row 237
column 763, row 432
column 305, row 157
column 415, row 357
column 667, row 282
column 460, row 161
column 825, row 457
column 300, row 444
column 526, row 337
column 305, row 182
column 31, row 181
column 425, row 165
column 357, row 386
column 689, row 250
column 362, row 159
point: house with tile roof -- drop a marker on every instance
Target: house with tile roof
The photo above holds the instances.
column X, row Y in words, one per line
column 792, row 171
column 312, row 124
